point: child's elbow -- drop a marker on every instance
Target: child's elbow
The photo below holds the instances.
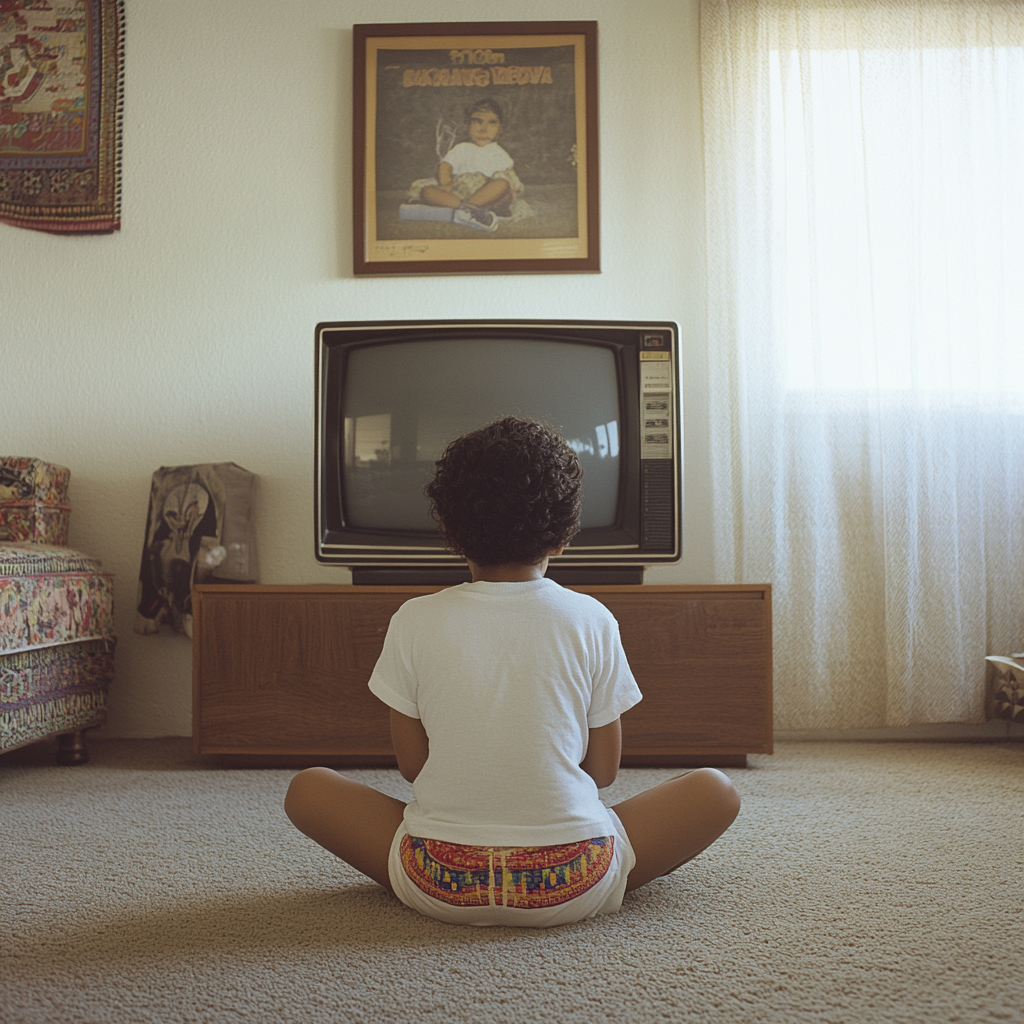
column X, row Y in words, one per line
column 604, row 778
column 604, row 771
column 604, row 751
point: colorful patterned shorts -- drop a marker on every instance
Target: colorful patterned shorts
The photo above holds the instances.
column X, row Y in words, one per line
column 527, row 877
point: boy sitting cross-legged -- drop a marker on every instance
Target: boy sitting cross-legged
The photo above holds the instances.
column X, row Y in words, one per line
column 505, row 696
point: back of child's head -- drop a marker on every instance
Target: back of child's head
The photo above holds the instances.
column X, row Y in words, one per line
column 509, row 492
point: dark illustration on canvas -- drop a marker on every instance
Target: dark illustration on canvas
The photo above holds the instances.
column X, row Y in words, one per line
column 198, row 530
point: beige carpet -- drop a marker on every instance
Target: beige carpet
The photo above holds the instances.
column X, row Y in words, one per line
column 861, row 882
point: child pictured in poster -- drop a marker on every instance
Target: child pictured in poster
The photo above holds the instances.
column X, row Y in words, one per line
column 475, row 183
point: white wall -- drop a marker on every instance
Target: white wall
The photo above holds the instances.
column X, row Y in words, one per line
column 188, row 336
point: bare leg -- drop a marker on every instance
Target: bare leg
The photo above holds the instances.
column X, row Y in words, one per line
column 491, row 194
column 672, row 823
column 434, row 195
column 353, row 821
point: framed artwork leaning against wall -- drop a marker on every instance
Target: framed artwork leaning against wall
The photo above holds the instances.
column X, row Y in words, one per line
column 475, row 148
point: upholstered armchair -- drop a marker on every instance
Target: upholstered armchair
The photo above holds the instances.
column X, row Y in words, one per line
column 56, row 616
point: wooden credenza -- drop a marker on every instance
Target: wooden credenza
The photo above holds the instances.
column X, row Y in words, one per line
column 280, row 673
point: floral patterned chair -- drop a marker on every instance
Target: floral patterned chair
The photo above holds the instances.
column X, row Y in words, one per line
column 56, row 616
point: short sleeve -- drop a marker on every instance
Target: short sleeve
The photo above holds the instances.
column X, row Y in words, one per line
column 392, row 679
column 615, row 690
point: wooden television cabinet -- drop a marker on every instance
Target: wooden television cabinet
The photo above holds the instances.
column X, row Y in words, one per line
column 280, row 673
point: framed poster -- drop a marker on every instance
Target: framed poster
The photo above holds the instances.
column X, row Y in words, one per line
column 475, row 148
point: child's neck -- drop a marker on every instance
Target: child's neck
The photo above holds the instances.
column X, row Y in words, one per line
column 510, row 572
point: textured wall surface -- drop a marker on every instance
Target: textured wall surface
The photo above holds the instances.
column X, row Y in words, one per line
column 188, row 336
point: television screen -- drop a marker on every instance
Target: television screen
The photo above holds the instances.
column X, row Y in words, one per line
column 391, row 395
column 403, row 402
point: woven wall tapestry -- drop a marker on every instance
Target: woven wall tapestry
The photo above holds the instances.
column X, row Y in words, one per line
column 61, row 78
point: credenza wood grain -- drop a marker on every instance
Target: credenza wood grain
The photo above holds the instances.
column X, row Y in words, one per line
column 280, row 672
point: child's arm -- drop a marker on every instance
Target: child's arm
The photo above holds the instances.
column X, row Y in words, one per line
column 409, row 739
column 445, row 177
column 604, row 749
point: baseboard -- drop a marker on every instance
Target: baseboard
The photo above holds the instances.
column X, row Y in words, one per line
column 996, row 731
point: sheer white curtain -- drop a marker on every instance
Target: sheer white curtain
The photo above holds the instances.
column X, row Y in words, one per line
column 865, row 196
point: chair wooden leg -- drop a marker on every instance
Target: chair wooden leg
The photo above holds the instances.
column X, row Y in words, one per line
column 71, row 748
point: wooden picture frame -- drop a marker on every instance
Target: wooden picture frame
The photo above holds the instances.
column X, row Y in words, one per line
column 528, row 92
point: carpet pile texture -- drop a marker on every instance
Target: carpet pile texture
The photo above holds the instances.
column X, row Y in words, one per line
column 862, row 882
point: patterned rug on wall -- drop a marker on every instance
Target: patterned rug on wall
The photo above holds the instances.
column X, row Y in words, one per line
column 61, row 83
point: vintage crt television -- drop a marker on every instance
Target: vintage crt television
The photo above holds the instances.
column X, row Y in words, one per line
column 390, row 395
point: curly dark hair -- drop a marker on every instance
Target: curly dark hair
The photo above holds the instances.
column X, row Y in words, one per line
column 508, row 492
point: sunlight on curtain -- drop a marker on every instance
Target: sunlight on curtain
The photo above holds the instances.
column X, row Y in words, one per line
column 865, row 194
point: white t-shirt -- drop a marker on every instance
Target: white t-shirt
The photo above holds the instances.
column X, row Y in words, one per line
column 469, row 158
column 507, row 679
